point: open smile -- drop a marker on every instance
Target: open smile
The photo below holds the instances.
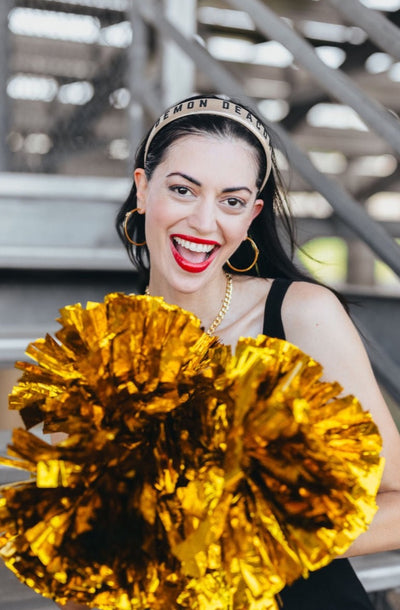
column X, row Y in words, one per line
column 192, row 253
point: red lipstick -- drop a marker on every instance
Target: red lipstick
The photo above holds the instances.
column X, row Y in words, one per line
column 195, row 240
column 190, row 266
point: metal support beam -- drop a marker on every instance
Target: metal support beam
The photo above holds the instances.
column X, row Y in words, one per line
column 384, row 34
column 345, row 206
column 5, row 8
column 140, row 88
column 178, row 70
column 335, row 82
column 356, row 57
column 137, row 57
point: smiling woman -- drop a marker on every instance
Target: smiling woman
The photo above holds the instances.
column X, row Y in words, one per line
column 195, row 219
column 201, row 226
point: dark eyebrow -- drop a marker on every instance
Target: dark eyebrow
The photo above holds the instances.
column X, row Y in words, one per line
column 237, row 188
column 185, row 176
column 231, row 189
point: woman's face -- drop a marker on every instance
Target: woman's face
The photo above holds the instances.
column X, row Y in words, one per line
column 199, row 204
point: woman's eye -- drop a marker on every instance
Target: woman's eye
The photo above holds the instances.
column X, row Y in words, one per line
column 181, row 190
column 234, row 203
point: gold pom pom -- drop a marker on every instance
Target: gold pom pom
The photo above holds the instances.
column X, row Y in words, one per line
column 297, row 482
column 189, row 477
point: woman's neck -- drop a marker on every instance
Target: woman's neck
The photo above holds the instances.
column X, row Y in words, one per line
column 206, row 303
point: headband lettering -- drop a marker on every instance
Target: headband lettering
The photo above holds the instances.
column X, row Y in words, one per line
column 218, row 107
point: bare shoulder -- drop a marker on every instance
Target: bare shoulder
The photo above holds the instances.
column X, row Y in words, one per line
column 310, row 306
column 315, row 320
column 309, row 291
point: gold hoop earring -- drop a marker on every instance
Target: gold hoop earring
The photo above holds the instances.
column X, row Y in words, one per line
column 256, row 253
column 127, row 216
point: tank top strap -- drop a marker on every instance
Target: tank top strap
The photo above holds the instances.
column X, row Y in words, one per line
column 273, row 326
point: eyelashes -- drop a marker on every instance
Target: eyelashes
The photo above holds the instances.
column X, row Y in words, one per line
column 180, row 190
column 233, row 204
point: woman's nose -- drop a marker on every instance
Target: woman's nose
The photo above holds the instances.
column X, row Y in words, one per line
column 203, row 215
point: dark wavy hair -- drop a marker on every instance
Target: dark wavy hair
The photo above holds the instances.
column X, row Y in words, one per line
column 270, row 229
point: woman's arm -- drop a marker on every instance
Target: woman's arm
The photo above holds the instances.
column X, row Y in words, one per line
column 316, row 322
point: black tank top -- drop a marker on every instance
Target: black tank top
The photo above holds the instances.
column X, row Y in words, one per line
column 273, row 326
column 335, row 587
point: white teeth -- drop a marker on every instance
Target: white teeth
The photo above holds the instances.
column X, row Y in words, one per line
column 191, row 245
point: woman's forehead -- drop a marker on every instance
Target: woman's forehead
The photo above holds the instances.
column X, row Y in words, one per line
column 206, row 155
column 208, row 143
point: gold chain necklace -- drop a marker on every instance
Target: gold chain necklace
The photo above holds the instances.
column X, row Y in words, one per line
column 224, row 306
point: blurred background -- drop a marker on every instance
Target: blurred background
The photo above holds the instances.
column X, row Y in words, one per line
column 82, row 81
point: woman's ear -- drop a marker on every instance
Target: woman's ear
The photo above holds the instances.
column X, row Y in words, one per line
column 141, row 188
column 258, row 206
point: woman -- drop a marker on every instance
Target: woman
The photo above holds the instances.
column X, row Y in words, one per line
column 200, row 224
